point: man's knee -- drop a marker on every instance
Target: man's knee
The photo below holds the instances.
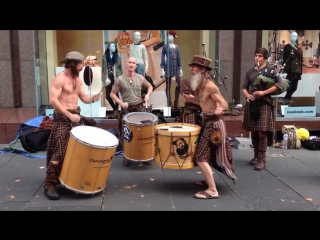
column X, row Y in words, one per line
column 204, row 163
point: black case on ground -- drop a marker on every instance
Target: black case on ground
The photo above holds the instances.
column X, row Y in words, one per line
column 311, row 144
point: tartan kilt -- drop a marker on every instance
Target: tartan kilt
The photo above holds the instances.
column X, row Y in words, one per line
column 58, row 139
column 266, row 122
column 191, row 114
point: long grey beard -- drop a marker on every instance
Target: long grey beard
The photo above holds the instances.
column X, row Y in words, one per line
column 195, row 80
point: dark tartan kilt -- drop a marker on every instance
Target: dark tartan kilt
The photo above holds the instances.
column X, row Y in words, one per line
column 191, row 114
column 266, row 122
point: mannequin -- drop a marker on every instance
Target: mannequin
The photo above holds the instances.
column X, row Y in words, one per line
column 139, row 52
column 293, row 67
column 111, row 69
column 171, row 69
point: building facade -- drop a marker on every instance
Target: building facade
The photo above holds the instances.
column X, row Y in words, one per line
column 29, row 58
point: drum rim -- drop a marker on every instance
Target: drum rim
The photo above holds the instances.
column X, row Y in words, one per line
column 93, row 145
column 126, row 120
column 176, row 133
column 79, row 191
column 196, row 127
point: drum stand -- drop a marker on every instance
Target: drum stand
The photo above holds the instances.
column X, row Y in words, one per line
column 221, row 81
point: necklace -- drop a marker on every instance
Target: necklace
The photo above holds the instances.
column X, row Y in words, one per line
column 130, row 79
column 73, row 81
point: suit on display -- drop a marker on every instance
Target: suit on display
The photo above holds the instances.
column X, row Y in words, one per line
column 171, row 67
column 111, row 69
column 293, row 67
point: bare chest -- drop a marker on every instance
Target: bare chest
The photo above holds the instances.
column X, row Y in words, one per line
column 206, row 102
column 71, row 87
column 203, row 97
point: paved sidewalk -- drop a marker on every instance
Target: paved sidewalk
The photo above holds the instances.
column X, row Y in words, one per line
column 291, row 182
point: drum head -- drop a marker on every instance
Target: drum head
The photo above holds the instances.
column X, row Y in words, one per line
column 140, row 118
column 95, row 136
column 177, row 128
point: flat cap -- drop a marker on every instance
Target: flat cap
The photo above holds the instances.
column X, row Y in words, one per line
column 74, row 55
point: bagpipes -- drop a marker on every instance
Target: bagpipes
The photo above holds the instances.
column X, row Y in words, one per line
column 267, row 79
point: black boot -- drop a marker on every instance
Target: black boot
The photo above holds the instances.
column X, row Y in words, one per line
column 51, row 192
column 52, row 181
column 126, row 162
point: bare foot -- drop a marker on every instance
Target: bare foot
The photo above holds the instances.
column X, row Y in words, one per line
column 207, row 194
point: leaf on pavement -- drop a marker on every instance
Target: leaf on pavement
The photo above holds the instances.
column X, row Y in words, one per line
column 11, row 197
column 142, row 195
column 127, row 187
column 309, row 199
column 151, row 179
column 134, row 186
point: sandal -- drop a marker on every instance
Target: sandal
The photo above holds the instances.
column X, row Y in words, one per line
column 206, row 195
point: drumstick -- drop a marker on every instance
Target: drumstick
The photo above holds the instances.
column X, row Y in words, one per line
column 103, row 85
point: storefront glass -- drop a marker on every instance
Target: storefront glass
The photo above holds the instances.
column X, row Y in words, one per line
column 41, row 70
column 53, row 45
column 304, row 58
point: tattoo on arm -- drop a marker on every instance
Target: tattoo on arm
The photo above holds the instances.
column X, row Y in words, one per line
column 116, row 87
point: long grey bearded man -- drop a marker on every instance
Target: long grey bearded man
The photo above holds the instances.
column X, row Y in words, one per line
column 208, row 96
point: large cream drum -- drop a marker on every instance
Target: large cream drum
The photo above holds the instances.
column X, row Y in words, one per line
column 175, row 145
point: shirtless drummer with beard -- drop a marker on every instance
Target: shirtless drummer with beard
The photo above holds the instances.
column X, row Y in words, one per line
column 208, row 96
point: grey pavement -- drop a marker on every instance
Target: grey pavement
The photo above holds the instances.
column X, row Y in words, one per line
column 290, row 182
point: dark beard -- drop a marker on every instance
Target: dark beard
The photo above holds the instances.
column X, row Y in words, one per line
column 74, row 71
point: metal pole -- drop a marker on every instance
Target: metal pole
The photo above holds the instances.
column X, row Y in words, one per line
column 167, row 71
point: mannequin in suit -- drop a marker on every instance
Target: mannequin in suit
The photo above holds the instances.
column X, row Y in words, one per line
column 111, row 69
column 139, row 52
column 293, row 67
column 171, row 69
